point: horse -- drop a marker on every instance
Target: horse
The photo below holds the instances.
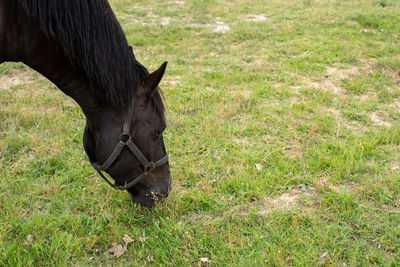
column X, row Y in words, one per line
column 80, row 47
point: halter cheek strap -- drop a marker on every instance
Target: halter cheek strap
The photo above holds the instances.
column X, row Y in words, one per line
column 126, row 140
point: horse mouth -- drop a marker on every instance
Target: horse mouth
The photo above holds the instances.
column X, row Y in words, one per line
column 149, row 200
column 151, row 196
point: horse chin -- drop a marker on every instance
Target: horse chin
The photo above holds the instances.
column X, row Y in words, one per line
column 150, row 196
column 149, row 200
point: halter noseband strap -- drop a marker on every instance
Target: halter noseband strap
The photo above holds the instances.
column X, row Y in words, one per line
column 126, row 140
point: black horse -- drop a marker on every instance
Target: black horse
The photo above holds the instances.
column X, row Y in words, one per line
column 80, row 47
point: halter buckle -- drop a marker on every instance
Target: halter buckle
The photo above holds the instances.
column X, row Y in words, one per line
column 149, row 167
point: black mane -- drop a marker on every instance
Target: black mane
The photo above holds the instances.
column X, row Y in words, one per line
column 92, row 39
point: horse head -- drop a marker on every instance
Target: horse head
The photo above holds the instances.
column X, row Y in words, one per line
column 127, row 143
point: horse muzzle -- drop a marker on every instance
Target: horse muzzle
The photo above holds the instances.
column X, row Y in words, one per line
column 150, row 196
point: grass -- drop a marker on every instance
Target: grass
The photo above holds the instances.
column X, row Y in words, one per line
column 284, row 140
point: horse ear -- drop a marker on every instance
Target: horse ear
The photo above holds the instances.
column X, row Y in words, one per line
column 151, row 81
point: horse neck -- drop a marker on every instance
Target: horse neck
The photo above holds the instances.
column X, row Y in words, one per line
column 52, row 63
column 23, row 41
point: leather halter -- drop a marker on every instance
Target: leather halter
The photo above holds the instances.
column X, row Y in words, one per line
column 126, row 140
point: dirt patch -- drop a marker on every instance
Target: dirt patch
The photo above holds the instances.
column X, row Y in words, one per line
column 131, row 18
column 342, row 187
column 165, row 21
column 378, row 120
column 330, row 110
column 332, row 78
column 173, row 81
column 395, row 104
column 177, row 2
column 17, row 77
column 325, row 85
column 395, row 166
column 395, row 75
column 243, row 141
column 220, row 27
column 151, row 19
column 271, row 103
column 293, row 198
column 339, row 74
column 293, row 149
column 257, row 17
column 243, row 94
column 365, row 98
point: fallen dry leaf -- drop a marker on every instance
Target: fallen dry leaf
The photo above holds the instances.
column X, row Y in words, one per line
column 117, row 250
column 127, row 240
column 205, row 260
column 150, row 258
column 29, row 239
column 143, row 238
column 323, row 258
column 259, row 167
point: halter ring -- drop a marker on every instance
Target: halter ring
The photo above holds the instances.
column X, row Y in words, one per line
column 124, row 137
column 149, row 167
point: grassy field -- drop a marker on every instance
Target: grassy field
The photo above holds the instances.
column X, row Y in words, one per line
column 284, row 139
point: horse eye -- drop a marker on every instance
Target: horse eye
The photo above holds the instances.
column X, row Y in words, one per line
column 157, row 134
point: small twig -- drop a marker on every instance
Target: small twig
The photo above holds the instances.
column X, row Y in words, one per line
column 91, row 176
column 66, row 185
column 274, row 151
column 302, row 156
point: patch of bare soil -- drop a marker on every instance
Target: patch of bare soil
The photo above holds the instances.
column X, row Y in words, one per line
column 343, row 187
column 332, row 77
column 220, row 27
column 244, row 94
column 293, row 198
column 355, row 126
column 293, row 149
column 367, row 97
column 395, row 104
column 177, row 2
column 173, row 81
column 17, row 77
column 339, row 74
column 330, row 110
column 257, row 17
column 165, row 21
column 270, row 102
column 151, row 19
column 378, row 120
column 326, row 85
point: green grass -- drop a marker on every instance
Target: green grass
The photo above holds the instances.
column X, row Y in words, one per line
column 313, row 80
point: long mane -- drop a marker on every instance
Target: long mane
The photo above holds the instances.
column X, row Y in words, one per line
column 91, row 38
